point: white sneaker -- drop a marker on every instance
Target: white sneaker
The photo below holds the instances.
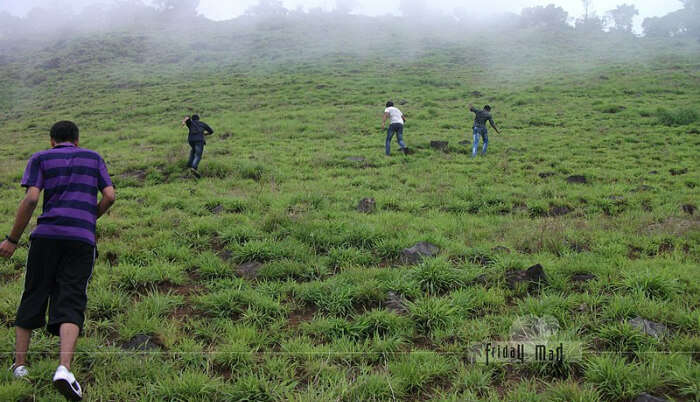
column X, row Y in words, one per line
column 19, row 371
column 65, row 383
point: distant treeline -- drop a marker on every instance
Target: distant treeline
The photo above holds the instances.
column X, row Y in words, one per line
column 134, row 15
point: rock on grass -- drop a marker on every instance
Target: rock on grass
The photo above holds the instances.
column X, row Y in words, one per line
column 532, row 276
column 415, row 254
column 650, row 328
column 366, row 205
column 249, row 270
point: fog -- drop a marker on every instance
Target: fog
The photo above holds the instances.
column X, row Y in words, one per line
column 219, row 10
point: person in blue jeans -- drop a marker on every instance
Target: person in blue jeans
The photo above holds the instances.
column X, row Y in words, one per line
column 198, row 129
column 396, row 121
column 482, row 116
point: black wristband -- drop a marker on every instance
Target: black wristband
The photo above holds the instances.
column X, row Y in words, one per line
column 11, row 240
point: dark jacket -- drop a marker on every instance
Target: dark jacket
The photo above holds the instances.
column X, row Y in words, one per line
column 482, row 116
column 197, row 130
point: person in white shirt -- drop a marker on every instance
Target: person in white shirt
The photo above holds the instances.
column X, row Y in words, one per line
column 396, row 121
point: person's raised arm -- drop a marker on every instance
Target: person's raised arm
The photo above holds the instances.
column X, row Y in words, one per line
column 185, row 120
column 386, row 114
column 471, row 108
column 24, row 215
column 108, row 198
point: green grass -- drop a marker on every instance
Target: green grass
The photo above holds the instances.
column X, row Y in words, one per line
column 313, row 323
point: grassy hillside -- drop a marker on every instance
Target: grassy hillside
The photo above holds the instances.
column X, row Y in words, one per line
column 262, row 281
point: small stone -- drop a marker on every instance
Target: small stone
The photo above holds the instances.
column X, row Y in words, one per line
column 559, row 211
column 577, row 179
column 217, row 209
column 477, row 94
column 439, row 145
column 249, row 270
column 416, row 253
column 533, row 276
column 677, row 172
column 582, row 277
column 141, row 342
column 396, row 303
column 367, row 205
column 501, row 249
column 689, row 209
column 403, row 102
column 544, row 175
column 226, row 255
column 650, row 328
column 644, row 397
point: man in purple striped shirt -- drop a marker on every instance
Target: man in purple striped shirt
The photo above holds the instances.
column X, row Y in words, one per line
column 62, row 249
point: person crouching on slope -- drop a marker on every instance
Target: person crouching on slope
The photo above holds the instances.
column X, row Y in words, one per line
column 482, row 116
column 198, row 129
column 62, row 246
column 396, row 121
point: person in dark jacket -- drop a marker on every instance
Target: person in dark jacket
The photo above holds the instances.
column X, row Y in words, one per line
column 479, row 127
column 198, row 129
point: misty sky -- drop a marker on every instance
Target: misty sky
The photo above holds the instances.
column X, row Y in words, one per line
column 227, row 9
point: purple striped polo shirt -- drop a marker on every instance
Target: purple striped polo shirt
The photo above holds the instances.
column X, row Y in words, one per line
column 70, row 177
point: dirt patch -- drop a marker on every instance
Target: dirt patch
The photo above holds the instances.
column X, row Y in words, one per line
column 249, row 270
column 298, row 317
column 138, row 174
column 143, row 343
column 577, row 179
column 367, row 205
column 439, row 145
column 675, row 225
column 678, row 171
column 689, row 209
column 559, row 210
column 112, row 258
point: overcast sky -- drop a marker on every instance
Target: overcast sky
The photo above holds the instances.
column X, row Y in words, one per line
column 227, row 9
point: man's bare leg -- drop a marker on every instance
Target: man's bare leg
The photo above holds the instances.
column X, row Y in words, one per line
column 22, row 338
column 69, row 336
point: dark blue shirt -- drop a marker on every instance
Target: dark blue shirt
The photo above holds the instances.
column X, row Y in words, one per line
column 197, row 129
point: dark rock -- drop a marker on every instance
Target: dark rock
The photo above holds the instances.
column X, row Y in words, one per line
column 501, row 249
column 464, row 142
column 141, row 342
column 226, row 255
column 533, row 276
column 112, row 258
column 249, row 270
column 559, row 211
column 477, row 94
column 480, row 280
column 576, row 179
column 367, row 205
column 217, row 209
column 644, row 397
column 355, row 158
column 617, row 198
column 677, row 172
column 604, row 77
column 689, row 209
column 582, row 277
column 650, row 328
column 396, row 303
column 416, row 253
column 403, row 102
column 654, row 172
column 439, row 145
column 694, row 131
column 409, row 151
column 544, row 175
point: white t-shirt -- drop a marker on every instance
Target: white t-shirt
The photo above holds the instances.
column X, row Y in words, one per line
column 394, row 114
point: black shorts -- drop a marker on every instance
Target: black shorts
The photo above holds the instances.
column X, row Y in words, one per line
column 58, row 272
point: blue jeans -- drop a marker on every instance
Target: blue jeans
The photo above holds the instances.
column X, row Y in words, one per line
column 475, row 145
column 195, row 153
column 398, row 129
